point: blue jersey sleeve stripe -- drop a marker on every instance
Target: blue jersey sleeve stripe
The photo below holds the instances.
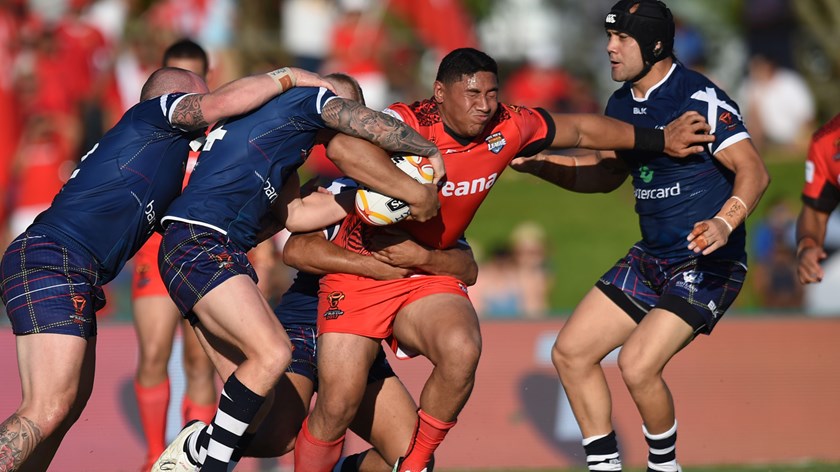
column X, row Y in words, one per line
column 730, row 141
column 174, row 104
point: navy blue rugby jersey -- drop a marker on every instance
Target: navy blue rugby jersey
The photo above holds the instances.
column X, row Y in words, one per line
column 672, row 194
column 245, row 162
column 116, row 195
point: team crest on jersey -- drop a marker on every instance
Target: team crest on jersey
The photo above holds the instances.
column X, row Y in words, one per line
column 495, row 142
column 727, row 119
column 333, row 311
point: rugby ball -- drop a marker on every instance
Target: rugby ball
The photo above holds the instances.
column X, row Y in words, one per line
column 377, row 209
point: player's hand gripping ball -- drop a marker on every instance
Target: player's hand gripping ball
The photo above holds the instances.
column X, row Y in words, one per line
column 377, row 209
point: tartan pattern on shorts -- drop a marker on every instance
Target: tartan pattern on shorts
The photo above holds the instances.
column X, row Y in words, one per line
column 304, row 348
column 48, row 287
column 709, row 285
column 193, row 260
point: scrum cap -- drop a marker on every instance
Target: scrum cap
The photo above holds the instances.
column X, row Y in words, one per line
column 651, row 22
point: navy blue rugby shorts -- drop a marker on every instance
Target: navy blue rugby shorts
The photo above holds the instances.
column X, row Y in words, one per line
column 699, row 290
column 50, row 287
column 194, row 259
column 305, row 363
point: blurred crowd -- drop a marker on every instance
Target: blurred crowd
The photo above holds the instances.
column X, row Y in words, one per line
column 70, row 68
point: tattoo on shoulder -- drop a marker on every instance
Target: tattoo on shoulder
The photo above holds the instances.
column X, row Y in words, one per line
column 354, row 119
column 18, row 438
column 187, row 113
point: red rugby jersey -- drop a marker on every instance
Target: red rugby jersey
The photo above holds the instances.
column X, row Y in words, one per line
column 822, row 169
column 472, row 167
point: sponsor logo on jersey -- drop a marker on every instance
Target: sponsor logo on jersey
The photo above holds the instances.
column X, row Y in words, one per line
column 657, row 193
column 495, row 142
column 645, row 174
column 149, row 211
column 333, row 311
column 270, row 191
column 468, row 187
column 640, row 110
column 713, row 308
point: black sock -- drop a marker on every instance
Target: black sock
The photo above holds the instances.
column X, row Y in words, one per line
column 237, row 407
column 602, row 452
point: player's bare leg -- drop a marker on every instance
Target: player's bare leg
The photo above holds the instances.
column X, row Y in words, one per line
column 343, row 364
column 155, row 320
column 596, row 327
column 386, row 419
column 444, row 328
column 52, row 399
column 237, row 316
column 659, row 336
column 201, row 395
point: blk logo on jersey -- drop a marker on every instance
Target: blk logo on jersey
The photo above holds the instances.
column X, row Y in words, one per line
column 333, row 311
column 640, row 110
column 495, row 142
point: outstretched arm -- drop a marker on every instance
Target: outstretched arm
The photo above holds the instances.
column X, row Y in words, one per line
column 241, row 96
column 680, row 138
column 751, row 180
column 593, row 172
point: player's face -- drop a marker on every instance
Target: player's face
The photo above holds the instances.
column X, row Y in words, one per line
column 466, row 106
column 625, row 56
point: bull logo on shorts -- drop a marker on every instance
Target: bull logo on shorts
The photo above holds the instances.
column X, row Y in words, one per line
column 79, row 303
column 334, row 312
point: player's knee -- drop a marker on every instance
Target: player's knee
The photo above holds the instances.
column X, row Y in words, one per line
column 154, row 357
column 463, row 345
column 561, row 356
column 50, row 413
column 197, row 364
column 274, row 359
column 634, row 371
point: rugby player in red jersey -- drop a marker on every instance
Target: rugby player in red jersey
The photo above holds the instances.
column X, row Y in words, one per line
column 432, row 314
column 820, row 196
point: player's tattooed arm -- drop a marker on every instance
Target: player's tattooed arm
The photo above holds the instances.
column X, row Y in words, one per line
column 354, row 119
column 188, row 114
column 18, row 438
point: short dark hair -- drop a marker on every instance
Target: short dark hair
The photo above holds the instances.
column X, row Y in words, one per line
column 465, row 61
column 186, row 48
column 341, row 77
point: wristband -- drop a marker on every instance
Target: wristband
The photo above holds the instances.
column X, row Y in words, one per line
column 649, row 139
column 284, row 78
column 742, row 203
column 725, row 222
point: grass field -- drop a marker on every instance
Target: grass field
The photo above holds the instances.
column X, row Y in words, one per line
column 589, row 232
